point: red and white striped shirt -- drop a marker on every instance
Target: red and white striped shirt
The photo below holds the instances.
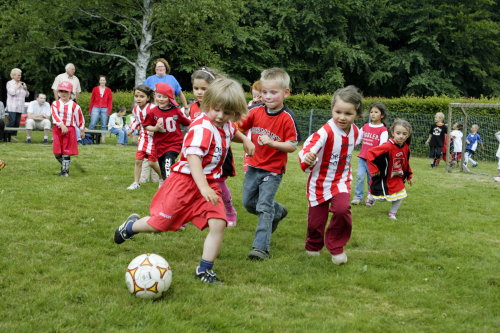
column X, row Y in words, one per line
column 145, row 142
column 209, row 142
column 69, row 114
column 331, row 173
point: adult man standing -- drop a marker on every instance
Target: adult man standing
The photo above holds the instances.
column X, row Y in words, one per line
column 38, row 118
column 69, row 76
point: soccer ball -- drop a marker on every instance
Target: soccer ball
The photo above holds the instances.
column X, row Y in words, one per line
column 148, row 276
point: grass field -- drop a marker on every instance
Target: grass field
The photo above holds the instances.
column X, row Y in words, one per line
column 436, row 269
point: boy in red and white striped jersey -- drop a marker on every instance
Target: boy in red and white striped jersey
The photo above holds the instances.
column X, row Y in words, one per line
column 274, row 133
column 66, row 114
column 192, row 193
column 326, row 156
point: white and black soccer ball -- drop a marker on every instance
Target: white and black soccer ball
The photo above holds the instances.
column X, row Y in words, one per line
column 148, row 276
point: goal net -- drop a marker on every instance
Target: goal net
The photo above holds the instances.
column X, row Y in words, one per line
column 480, row 158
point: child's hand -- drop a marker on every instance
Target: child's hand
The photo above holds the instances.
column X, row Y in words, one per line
column 82, row 132
column 159, row 125
column 209, row 194
column 129, row 132
column 249, row 147
column 410, row 182
column 310, row 158
column 150, row 133
column 265, row 140
column 426, row 142
column 64, row 129
column 467, row 141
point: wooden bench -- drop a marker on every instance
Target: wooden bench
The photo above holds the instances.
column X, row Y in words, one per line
column 96, row 134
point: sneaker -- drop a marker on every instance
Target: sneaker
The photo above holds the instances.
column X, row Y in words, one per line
column 276, row 221
column 64, row 174
column 313, row 253
column 257, row 254
column 339, row 259
column 497, row 179
column 355, row 201
column 369, row 202
column 183, row 227
column 121, row 234
column 475, row 165
column 207, row 276
column 45, row 141
column 392, row 216
column 433, row 165
column 134, row 186
column 231, row 215
column 28, row 140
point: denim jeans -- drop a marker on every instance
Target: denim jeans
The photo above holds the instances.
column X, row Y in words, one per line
column 121, row 133
column 94, row 117
column 360, row 179
column 259, row 188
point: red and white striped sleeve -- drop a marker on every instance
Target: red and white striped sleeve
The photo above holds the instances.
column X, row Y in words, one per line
column 313, row 144
column 55, row 113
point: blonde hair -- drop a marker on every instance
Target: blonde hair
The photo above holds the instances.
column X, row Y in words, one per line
column 226, row 94
column 163, row 61
column 15, row 71
column 276, row 74
column 257, row 85
column 350, row 94
column 440, row 115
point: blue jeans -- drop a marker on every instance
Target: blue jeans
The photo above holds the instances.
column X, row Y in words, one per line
column 360, row 179
column 259, row 188
column 121, row 133
column 94, row 117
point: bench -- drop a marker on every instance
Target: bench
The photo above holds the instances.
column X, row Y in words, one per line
column 96, row 134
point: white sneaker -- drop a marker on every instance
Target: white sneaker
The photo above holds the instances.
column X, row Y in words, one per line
column 497, row 179
column 356, row 201
column 313, row 253
column 392, row 216
column 134, row 186
column 339, row 259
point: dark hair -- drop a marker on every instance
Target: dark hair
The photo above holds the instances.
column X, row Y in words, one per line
column 383, row 111
column 405, row 124
column 350, row 94
column 460, row 126
column 145, row 89
column 205, row 73
column 122, row 108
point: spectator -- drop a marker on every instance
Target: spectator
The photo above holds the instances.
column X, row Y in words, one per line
column 116, row 127
column 17, row 91
column 68, row 76
column 101, row 104
column 39, row 114
column 162, row 70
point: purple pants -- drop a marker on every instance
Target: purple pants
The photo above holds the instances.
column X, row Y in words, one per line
column 338, row 231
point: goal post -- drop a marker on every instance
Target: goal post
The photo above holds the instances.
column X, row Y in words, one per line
column 462, row 113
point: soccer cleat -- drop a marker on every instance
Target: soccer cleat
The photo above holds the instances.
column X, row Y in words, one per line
column 276, row 221
column 121, row 234
column 28, row 140
column 313, row 253
column 369, row 201
column 134, row 186
column 475, row 165
column 392, row 216
column 257, row 254
column 339, row 259
column 207, row 276
column 355, row 201
column 64, row 174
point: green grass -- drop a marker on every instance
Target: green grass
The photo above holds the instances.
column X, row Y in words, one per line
column 436, row 269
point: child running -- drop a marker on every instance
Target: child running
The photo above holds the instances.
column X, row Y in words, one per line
column 436, row 139
column 472, row 140
column 389, row 165
column 145, row 147
column 274, row 133
column 326, row 156
column 165, row 120
column 371, row 135
column 66, row 115
column 192, row 193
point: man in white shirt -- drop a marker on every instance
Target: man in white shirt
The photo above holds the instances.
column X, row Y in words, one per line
column 69, row 76
column 39, row 114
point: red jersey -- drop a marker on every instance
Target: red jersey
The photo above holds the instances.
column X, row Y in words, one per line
column 393, row 163
column 170, row 138
column 194, row 110
column 209, row 142
column 372, row 136
column 280, row 127
column 331, row 173
column 69, row 114
column 145, row 142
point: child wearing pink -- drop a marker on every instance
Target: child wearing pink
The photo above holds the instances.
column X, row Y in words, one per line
column 326, row 156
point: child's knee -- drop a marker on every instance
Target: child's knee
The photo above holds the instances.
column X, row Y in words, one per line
column 217, row 225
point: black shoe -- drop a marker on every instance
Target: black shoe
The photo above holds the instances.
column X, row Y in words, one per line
column 276, row 221
column 257, row 254
column 207, row 276
column 121, row 234
column 45, row 141
column 64, row 174
column 28, row 140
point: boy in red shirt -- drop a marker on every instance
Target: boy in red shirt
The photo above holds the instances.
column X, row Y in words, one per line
column 164, row 121
column 192, row 192
column 66, row 114
column 274, row 133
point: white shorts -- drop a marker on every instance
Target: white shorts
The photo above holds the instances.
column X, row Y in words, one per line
column 38, row 124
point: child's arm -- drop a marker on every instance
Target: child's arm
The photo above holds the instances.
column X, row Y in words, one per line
column 248, row 145
column 199, row 178
column 157, row 128
column 286, row 147
column 428, row 139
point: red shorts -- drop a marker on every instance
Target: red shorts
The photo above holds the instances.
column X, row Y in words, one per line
column 64, row 144
column 179, row 201
column 140, row 155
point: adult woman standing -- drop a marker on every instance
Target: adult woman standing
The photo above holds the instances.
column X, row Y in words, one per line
column 162, row 69
column 101, row 104
column 17, row 91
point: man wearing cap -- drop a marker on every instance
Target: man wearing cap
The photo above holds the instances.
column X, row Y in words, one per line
column 165, row 120
column 38, row 117
column 70, row 77
column 66, row 116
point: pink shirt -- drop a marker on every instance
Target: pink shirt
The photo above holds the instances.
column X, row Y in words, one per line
column 371, row 136
column 15, row 97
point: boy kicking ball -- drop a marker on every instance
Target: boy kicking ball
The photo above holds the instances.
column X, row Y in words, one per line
column 192, row 193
